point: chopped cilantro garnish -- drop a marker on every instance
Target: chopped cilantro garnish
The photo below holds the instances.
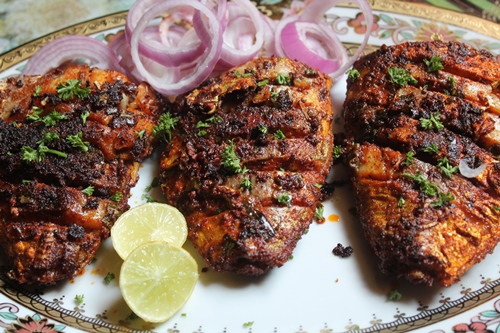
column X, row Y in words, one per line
column 446, row 168
column 38, row 89
column 433, row 148
column 53, row 118
column 442, row 199
column 230, row 161
column 116, row 197
column 401, row 76
column 248, row 324
column 201, row 124
column 84, row 116
column 148, row 198
column 284, row 198
column 76, row 142
column 279, row 135
column 35, row 116
column 337, row 152
column 282, row 79
column 401, row 202
column 88, row 191
column 424, row 184
column 165, row 126
column 263, row 129
column 262, row 83
column 320, row 210
column 79, row 299
column 49, row 137
column 140, row 134
column 409, row 158
column 30, row 154
column 26, row 181
column 394, row 295
column 432, row 123
column 154, row 183
column 109, row 277
column 71, row 88
column 202, row 132
column 352, row 74
column 434, row 64
column 214, row 120
column 246, row 183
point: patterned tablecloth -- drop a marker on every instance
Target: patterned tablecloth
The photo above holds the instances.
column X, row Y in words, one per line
column 24, row 20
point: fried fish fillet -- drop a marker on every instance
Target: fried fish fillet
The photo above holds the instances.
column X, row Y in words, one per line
column 246, row 161
column 71, row 142
column 422, row 131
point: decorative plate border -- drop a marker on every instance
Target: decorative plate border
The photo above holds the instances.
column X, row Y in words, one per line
column 33, row 301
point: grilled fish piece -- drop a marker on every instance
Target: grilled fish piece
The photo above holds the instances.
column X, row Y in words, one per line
column 418, row 118
column 71, row 142
column 246, row 159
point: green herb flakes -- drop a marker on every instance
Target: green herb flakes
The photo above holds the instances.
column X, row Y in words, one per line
column 433, row 148
column 424, row 184
column 76, row 142
column 282, row 79
column 394, row 295
column 165, row 126
column 262, row 83
column 38, row 90
column 446, row 168
column 246, row 183
column 409, row 158
column 84, row 116
column 434, row 64
column 319, row 212
column 71, row 88
column 109, row 277
column 230, row 161
column 116, row 197
column 140, row 134
column 401, row 202
column 432, row 123
column 88, row 191
column 337, row 152
column 284, row 198
column 279, row 135
column 248, row 324
column 401, row 77
column 352, row 74
column 79, row 299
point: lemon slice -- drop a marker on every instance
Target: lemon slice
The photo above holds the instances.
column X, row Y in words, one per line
column 157, row 279
column 145, row 223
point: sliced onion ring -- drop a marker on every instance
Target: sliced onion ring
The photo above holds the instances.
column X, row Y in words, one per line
column 314, row 13
column 71, row 48
column 201, row 68
column 468, row 172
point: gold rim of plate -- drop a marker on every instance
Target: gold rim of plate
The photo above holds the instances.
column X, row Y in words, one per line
column 79, row 321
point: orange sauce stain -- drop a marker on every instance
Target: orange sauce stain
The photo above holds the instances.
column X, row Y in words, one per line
column 333, row 218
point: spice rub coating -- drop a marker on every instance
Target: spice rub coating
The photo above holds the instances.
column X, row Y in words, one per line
column 71, row 142
column 422, row 131
column 246, row 161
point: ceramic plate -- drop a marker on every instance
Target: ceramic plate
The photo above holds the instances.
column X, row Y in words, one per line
column 315, row 291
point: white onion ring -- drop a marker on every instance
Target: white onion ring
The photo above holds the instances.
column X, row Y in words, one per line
column 235, row 53
column 314, row 13
column 200, row 70
column 468, row 172
column 71, row 48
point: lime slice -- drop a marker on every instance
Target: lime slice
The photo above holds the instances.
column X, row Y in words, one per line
column 157, row 279
column 146, row 223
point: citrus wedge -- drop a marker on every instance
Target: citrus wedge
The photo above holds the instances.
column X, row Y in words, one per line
column 157, row 279
column 146, row 223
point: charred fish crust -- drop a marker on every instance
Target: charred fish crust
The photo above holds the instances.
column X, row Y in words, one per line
column 424, row 168
column 242, row 139
column 69, row 156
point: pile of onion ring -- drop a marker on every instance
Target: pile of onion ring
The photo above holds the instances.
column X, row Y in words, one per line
column 175, row 45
